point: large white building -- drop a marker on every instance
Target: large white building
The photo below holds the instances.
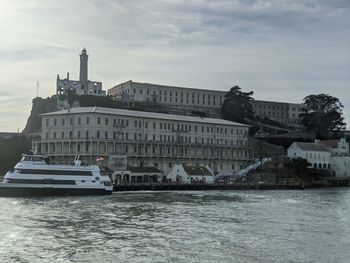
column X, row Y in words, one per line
column 83, row 86
column 147, row 139
column 209, row 101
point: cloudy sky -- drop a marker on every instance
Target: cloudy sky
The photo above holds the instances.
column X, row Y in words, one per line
column 283, row 50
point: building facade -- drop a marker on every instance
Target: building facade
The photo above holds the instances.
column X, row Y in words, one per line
column 191, row 174
column 332, row 155
column 147, row 139
column 209, row 101
column 83, row 86
column 319, row 156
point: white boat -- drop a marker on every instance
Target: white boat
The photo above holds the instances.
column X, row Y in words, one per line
column 35, row 176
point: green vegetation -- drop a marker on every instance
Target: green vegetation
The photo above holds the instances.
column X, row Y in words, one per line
column 300, row 167
column 11, row 150
column 236, row 106
column 323, row 114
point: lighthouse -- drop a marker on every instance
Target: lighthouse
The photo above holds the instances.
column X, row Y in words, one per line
column 83, row 77
column 83, row 86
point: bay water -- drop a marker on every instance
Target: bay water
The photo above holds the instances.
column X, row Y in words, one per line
column 201, row 226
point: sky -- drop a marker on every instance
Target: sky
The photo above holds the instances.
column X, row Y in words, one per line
column 283, row 50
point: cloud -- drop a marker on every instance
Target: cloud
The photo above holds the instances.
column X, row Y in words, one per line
column 283, row 50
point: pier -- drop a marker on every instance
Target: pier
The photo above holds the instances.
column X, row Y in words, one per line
column 203, row 186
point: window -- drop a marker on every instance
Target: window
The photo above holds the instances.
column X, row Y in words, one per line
column 47, row 122
column 55, row 122
column 79, row 121
column 63, row 120
column 106, row 121
column 98, row 120
column 98, row 134
column 87, row 120
column 87, row 134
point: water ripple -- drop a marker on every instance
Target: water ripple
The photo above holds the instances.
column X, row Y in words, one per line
column 213, row 226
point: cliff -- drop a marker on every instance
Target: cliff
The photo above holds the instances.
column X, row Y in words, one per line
column 39, row 106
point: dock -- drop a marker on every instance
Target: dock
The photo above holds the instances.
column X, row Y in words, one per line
column 203, row 186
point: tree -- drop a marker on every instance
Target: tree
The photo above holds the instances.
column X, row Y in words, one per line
column 299, row 165
column 237, row 106
column 322, row 113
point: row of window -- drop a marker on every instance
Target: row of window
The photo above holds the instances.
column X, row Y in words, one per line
column 144, row 124
column 181, row 100
column 124, row 136
column 161, row 150
column 176, row 94
column 269, row 107
column 315, row 155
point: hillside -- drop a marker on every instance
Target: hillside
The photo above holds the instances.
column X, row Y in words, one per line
column 279, row 134
column 11, row 150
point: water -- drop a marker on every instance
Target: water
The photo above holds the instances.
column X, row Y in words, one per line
column 212, row 226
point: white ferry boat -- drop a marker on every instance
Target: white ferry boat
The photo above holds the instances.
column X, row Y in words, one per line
column 35, row 176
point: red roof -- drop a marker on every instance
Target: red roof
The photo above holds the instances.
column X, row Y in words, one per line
column 330, row 143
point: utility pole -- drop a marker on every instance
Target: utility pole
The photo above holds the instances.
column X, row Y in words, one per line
column 37, row 89
column 260, row 135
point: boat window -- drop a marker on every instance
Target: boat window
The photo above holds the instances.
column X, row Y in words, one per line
column 54, row 172
column 33, row 158
column 39, row 181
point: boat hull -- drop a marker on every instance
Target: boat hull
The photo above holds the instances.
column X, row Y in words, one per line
column 13, row 191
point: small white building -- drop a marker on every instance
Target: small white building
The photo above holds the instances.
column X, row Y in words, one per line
column 191, row 174
column 327, row 154
column 340, row 159
column 145, row 175
column 317, row 154
column 340, row 166
column 137, row 175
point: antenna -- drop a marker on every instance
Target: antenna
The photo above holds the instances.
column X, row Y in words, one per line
column 37, row 88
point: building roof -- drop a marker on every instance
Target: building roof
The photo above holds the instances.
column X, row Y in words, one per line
column 197, row 170
column 144, row 114
column 330, row 143
column 144, row 169
column 310, row 146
